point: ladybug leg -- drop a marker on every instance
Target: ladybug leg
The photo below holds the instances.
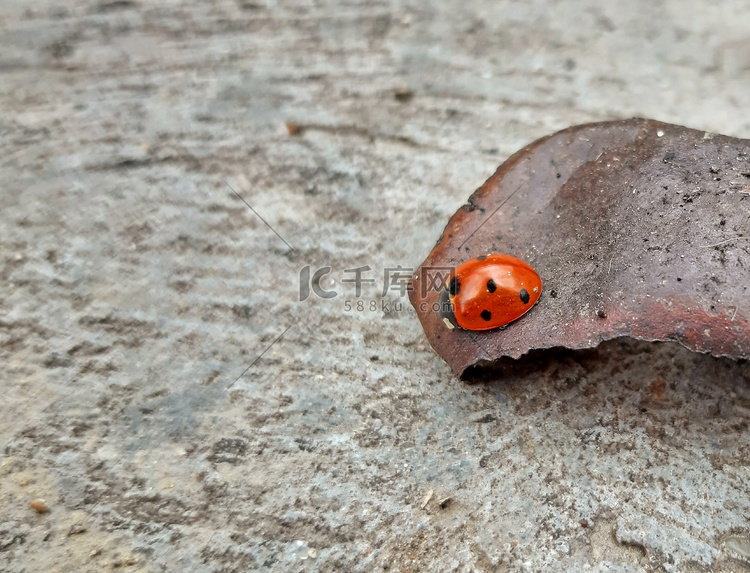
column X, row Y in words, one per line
column 446, row 310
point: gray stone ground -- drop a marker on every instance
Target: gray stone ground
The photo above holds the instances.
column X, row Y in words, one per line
column 136, row 287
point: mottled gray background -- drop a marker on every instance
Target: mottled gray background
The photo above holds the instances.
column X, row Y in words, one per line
column 136, row 287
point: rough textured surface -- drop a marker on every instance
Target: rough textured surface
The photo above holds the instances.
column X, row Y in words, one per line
column 637, row 228
column 136, row 287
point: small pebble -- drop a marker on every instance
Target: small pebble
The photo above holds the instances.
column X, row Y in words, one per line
column 740, row 546
column 77, row 529
column 39, row 505
column 292, row 128
column 403, row 94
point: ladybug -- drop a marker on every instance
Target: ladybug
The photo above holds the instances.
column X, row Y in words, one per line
column 492, row 291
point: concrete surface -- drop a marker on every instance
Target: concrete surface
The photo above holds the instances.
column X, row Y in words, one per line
column 136, row 288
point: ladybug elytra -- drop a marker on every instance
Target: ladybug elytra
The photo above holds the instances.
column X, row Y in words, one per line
column 492, row 291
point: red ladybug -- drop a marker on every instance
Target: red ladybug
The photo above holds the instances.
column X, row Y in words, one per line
column 492, row 291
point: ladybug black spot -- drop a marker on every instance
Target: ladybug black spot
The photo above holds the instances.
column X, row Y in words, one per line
column 524, row 296
column 486, row 315
column 454, row 286
column 491, row 286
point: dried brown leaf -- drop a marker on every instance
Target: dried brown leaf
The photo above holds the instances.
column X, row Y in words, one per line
column 637, row 228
